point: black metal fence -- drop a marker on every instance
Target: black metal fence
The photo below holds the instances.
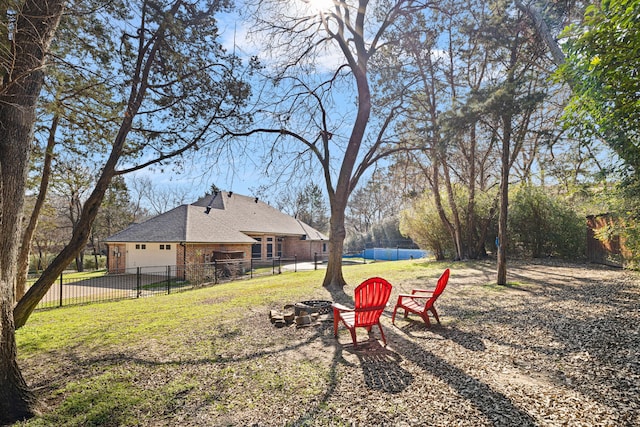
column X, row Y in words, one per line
column 141, row 282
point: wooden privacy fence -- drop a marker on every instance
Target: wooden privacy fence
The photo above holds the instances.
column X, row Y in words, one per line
column 610, row 251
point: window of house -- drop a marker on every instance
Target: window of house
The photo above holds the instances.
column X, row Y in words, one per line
column 137, row 246
column 279, row 247
column 143, row 246
column 161, row 247
column 269, row 250
column 256, row 248
column 167, row 247
column 324, row 247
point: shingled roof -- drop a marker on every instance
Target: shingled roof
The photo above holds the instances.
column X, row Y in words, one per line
column 230, row 218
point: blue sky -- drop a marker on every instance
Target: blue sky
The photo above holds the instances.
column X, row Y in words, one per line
column 237, row 171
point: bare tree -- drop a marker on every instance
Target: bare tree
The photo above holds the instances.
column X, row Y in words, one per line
column 72, row 183
column 158, row 199
column 377, row 200
column 319, row 68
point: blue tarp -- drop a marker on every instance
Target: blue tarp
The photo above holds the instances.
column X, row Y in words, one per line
column 393, row 254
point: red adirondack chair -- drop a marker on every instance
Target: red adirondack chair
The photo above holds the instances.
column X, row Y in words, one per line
column 371, row 297
column 422, row 304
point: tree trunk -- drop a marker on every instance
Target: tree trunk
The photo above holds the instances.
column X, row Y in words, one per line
column 80, row 234
column 21, row 83
column 17, row 402
column 543, row 31
column 471, row 219
column 502, row 224
column 504, row 201
column 333, row 277
column 461, row 250
column 78, row 240
column 435, row 188
column 27, row 236
column 80, row 261
column 346, row 182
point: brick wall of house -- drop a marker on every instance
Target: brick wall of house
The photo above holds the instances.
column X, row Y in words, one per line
column 304, row 250
column 201, row 253
column 195, row 255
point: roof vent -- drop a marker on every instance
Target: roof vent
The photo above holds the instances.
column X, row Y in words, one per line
column 256, row 200
column 208, row 208
column 230, row 194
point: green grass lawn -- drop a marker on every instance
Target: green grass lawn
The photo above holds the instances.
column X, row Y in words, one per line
column 118, row 323
column 84, row 274
column 205, row 325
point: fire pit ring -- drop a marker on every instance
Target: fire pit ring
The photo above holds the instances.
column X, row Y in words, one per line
column 313, row 306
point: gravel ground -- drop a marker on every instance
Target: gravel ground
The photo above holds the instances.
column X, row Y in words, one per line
column 557, row 347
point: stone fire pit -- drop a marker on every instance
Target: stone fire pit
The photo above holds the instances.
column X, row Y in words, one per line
column 302, row 313
column 313, row 306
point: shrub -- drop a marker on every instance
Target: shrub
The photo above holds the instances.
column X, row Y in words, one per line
column 89, row 262
column 545, row 226
column 423, row 225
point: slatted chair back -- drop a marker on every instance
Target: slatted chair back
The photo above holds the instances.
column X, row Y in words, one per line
column 442, row 283
column 370, row 298
column 421, row 301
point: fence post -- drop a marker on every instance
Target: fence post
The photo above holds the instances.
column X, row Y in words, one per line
column 315, row 260
column 138, row 282
column 215, row 271
column 61, row 289
column 295, row 263
column 279, row 265
column 273, row 266
column 168, row 276
column 251, row 268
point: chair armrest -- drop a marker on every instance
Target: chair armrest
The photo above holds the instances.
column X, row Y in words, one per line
column 340, row 307
column 426, row 291
column 412, row 296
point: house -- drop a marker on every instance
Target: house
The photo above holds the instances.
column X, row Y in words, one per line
column 223, row 226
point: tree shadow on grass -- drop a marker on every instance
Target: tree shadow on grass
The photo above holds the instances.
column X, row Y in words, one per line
column 494, row 405
column 470, row 341
column 82, row 369
column 381, row 367
column 591, row 336
column 382, row 370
